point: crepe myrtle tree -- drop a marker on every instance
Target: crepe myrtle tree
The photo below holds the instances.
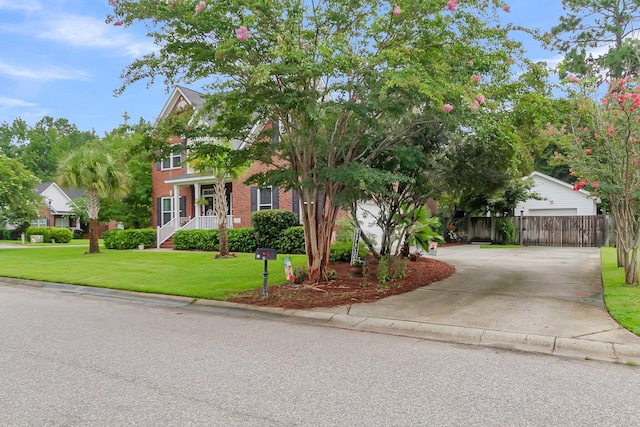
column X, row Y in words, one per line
column 601, row 144
column 331, row 77
column 18, row 200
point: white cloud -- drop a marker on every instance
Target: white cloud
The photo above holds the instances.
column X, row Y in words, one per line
column 20, row 5
column 86, row 31
column 43, row 73
column 13, row 102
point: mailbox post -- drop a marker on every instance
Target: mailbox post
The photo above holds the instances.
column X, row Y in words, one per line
column 265, row 254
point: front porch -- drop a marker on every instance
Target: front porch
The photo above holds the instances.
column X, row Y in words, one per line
column 190, row 206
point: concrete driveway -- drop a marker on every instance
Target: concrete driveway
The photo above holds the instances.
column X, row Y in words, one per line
column 541, row 291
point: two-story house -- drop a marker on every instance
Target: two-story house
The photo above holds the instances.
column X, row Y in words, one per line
column 184, row 199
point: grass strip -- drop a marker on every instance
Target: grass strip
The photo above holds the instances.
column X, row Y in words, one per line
column 623, row 301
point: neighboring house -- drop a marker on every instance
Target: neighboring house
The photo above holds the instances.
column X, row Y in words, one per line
column 558, row 199
column 184, row 199
column 58, row 205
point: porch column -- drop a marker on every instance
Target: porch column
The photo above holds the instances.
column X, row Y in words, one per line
column 176, row 204
column 196, row 198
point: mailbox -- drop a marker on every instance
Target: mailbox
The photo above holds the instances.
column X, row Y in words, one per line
column 266, row 254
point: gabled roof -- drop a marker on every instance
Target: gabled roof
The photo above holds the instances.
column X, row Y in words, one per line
column 197, row 101
column 68, row 193
column 558, row 182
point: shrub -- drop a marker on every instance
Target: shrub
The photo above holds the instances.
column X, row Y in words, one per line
column 269, row 225
column 391, row 267
column 242, row 240
column 200, row 240
column 10, row 234
column 341, row 250
column 60, row 235
column 129, row 239
column 292, row 241
column 506, row 232
column 77, row 234
column 38, row 230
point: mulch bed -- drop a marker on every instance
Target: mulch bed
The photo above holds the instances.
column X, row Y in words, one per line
column 348, row 288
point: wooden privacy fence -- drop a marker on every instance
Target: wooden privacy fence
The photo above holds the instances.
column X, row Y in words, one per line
column 570, row 231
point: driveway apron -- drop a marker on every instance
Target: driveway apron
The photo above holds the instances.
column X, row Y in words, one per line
column 531, row 290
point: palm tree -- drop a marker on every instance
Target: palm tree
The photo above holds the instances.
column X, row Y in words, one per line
column 91, row 167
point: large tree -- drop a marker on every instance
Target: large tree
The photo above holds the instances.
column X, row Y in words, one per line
column 334, row 77
column 41, row 147
column 597, row 37
column 602, row 147
column 93, row 168
column 18, row 201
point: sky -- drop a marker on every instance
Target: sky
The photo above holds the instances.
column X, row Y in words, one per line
column 58, row 58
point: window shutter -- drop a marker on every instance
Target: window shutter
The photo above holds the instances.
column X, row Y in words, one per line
column 275, row 199
column 159, row 211
column 158, row 163
column 254, row 199
column 183, row 206
column 295, row 202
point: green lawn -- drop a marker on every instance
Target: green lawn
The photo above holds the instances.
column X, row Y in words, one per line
column 191, row 274
column 623, row 302
column 26, row 243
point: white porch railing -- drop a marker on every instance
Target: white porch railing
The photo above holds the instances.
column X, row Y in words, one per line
column 166, row 231
column 186, row 223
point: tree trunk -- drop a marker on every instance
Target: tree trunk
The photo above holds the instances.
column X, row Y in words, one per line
column 93, row 209
column 221, row 213
column 620, row 250
column 94, row 246
column 317, row 232
column 631, row 270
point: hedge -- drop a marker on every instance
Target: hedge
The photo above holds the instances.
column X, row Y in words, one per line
column 270, row 224
column 291, row 241
column 129, row 239
column 60, row 235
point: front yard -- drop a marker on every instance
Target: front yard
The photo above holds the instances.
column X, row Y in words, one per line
column 191, row 274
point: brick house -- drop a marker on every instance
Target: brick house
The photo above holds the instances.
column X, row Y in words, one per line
column 184, row 199
column 58, row 205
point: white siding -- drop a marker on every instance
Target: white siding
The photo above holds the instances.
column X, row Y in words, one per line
column 58, row 199
column 560, row 199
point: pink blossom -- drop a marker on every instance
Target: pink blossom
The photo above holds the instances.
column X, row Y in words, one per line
column 574, row 79
column 243, row 33
column 605, row 101
column 572, row 172
column 113, row 3
column 201, row 6
column 588, row 151
column 447, row 107
column 475, row 78
column 117, row 23
column 475, row 105
column 397, row 11
column 556, row 154
column 506, row 8
column 451, row 5
column 279, row 38
column 480, row 98
column 595, row 185
column 470, row 63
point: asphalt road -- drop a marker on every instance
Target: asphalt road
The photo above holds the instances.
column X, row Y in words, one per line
column 72, row 359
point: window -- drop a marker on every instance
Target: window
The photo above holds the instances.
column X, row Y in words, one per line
column 167, row 209
column 39, row 222
column 62, row 222
column 265, row 198
column 172, row 162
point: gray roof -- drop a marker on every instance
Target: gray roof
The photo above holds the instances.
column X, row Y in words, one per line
column 195, row 98
column 72, row 193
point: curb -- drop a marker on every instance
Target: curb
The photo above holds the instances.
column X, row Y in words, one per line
column 541, row 344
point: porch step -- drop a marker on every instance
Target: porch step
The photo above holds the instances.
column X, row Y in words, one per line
column 167, row 244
